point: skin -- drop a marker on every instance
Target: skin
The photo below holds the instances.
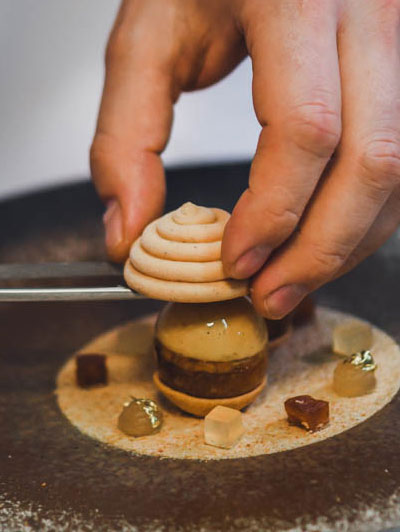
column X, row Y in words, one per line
column 324, row 185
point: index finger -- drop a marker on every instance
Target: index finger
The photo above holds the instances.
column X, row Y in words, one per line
column 296, row 92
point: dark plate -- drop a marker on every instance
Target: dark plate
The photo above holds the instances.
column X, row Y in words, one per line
column 53, row 477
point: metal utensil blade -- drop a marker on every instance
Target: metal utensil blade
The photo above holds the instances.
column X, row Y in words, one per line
column 80, row 281
column 110, row 293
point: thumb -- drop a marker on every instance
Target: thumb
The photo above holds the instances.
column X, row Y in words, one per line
column 133, row 128
column 132, row 186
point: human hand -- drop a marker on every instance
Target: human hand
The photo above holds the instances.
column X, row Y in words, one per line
column 157, row 49
column 326, row 82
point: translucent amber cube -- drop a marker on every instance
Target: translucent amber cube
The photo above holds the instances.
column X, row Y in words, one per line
column 351, row 337
column 223, row 427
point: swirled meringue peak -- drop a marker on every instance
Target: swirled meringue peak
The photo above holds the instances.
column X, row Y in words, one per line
column 178, row 258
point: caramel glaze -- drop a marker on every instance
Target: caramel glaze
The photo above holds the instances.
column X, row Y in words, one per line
column 211, row 380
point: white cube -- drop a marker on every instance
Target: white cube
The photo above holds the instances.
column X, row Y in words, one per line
column 351, row 337
column 223, row 427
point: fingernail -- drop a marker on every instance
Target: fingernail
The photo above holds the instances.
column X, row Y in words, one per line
column 283, row 300
column 112, row 220
column 250, row 262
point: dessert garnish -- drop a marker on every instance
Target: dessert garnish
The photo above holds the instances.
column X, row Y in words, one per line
column 140, row 417
column 352, row 337
column 178, row 258
column 210, row 343
column 223, row 427
column 310, row 413
column 355, row 375
column 91, row 369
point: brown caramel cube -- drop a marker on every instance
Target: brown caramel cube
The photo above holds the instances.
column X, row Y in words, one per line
column 304, row 410
column 91, row 370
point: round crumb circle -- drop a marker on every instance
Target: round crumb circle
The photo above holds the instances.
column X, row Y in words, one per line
column 303, row 365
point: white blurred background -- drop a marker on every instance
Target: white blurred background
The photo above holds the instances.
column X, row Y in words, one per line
column 51, row 64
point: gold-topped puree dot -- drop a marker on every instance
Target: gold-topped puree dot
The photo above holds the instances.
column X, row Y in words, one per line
column 140, row 417
column 362, row 360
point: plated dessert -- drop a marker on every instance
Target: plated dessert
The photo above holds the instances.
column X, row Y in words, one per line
column 303, row 365
column 175, row 384
column 211, row 346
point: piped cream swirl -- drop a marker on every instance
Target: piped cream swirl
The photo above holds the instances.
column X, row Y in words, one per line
column 178, row 257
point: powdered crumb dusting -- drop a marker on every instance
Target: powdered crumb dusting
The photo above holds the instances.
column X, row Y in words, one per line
column 303, row 365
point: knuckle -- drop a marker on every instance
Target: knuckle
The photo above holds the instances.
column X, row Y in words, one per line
column 99, row 152
column 283, row 217
column 96, row 151
column 118, row 47
column 277, row 207
column 327, row 259
column 315, row 128
column 388, row 7
column 380, row 163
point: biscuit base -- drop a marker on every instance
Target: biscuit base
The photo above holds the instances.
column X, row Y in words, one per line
column 183, row 292
column 199, row 406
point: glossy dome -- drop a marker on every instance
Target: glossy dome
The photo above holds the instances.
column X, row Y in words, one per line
column 220, row 331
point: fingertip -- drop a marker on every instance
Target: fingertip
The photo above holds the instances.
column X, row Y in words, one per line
column 275, row 294
column 125, row 224
column 118, row 254
column 133, row 188
column 282, row 301
column 244, row 252
column 225, row 250
column 117, row 247
column 250, row 262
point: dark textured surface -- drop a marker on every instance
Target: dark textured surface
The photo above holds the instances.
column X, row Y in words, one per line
column 56, row 478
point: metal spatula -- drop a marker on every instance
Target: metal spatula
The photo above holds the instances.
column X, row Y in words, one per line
column 77, row 281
